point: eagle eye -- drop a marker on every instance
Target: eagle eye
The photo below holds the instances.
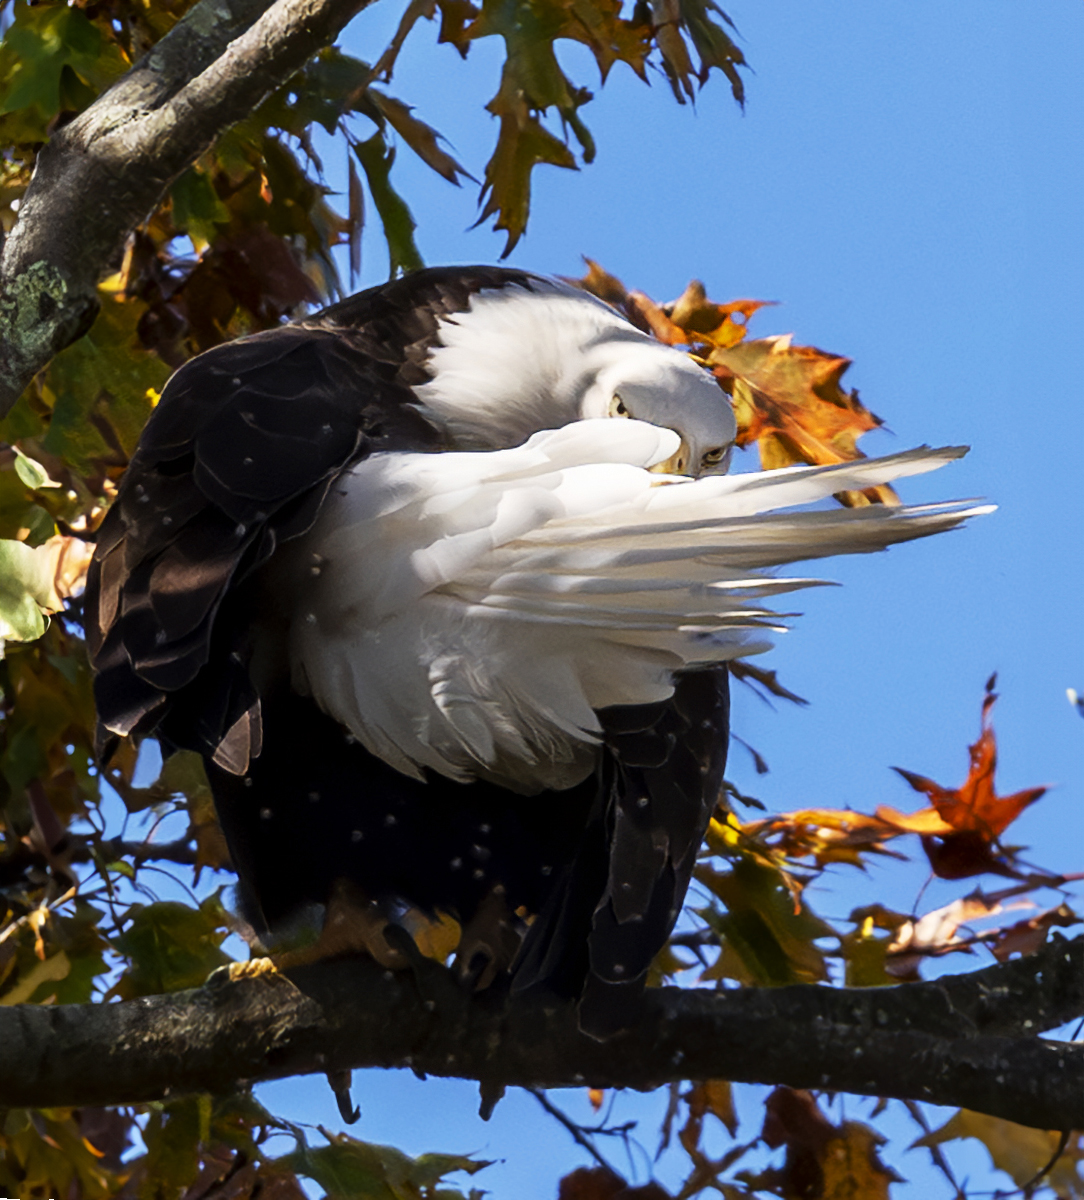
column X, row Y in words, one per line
column 712, row 458
column 617, row 407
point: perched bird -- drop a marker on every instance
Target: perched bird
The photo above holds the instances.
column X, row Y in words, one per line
column 448, row 635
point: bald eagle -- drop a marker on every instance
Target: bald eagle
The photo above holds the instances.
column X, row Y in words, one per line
column 445, row 631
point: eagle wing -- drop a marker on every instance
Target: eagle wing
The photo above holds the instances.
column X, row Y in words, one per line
column 236, row 458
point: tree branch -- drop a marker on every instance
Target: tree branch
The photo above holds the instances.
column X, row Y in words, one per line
column 941, row 1041
column 104, row 172
column 74, row 848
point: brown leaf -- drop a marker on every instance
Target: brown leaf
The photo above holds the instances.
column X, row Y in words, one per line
column 824, row 834
column 1025, row 937
column 596, row 1097
column 713, row 1096
column 521, row 145
column 823, row 1161
column 599, row 282
column 852, row 1167
column 598, row 1183
column 708, row 322
column 455, row 16
column 419, row 136
column 355, row 218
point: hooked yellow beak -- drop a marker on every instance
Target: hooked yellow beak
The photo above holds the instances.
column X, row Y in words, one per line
column 676, row 464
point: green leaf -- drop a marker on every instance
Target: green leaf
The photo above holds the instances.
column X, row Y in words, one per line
column 31, row 472
column 173, row 1135
column 184, row 773
column 39, row 525
column 26, row 590
column 101, row 390
column 348, row 1169
column 760, row 925
column 522, row 144
column 52, row 57
column 170, row 946
column 430, row 1169
column 376, row 159
column 197, row 210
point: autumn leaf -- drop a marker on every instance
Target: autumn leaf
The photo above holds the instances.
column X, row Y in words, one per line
column 789, row 402
column 691, row 320
column 830, row 1162
column 522, row 144
column 972, row 817
column 826, row 835
column 600, row 1183
column 1018, row 1151
column 771, row 936
column 716, row 1097
column 1025, row 937
column 420, row 137
column 934, row 933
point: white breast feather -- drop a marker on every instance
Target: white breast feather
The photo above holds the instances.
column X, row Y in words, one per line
column 471, row 611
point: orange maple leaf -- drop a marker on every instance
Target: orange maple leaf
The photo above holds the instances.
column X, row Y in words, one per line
column 790, row 403
column 963, row 828
column 788, row 399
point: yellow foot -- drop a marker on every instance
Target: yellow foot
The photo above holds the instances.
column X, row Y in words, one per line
column 352, row 925
column 489, row 943
column 252, row 968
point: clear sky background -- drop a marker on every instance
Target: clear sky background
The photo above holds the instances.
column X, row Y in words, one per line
column 906, row 181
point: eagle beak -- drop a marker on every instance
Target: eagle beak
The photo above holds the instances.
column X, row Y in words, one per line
column 676, row 464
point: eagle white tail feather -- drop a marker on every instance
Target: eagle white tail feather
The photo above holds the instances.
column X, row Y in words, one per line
column 472, row 610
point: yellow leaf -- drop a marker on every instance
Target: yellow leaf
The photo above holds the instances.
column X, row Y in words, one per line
column 1015, row 1149
column 52, row 970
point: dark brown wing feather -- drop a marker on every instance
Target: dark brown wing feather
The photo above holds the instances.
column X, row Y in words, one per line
column 618, row 899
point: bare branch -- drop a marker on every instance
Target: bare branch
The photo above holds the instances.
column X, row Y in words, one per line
column 103, row 173
column 74, row 848
column 941, row 1041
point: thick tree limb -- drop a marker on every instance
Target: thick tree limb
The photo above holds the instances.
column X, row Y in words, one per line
column 104, row 172
column 943, row 1041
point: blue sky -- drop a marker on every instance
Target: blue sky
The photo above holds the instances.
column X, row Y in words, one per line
column 906, row 181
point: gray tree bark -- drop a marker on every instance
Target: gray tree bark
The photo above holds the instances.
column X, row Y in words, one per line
column 968, row 1040
column 102, row 174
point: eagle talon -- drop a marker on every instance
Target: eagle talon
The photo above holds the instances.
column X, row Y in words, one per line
column 339, row 1082
column 489, row 943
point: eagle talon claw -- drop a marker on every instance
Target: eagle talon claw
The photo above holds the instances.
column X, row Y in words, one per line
column 339, row 1082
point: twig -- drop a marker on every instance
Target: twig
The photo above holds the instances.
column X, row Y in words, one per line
column 939, row 1160
column 578, row 1135
column 1035, row 1180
